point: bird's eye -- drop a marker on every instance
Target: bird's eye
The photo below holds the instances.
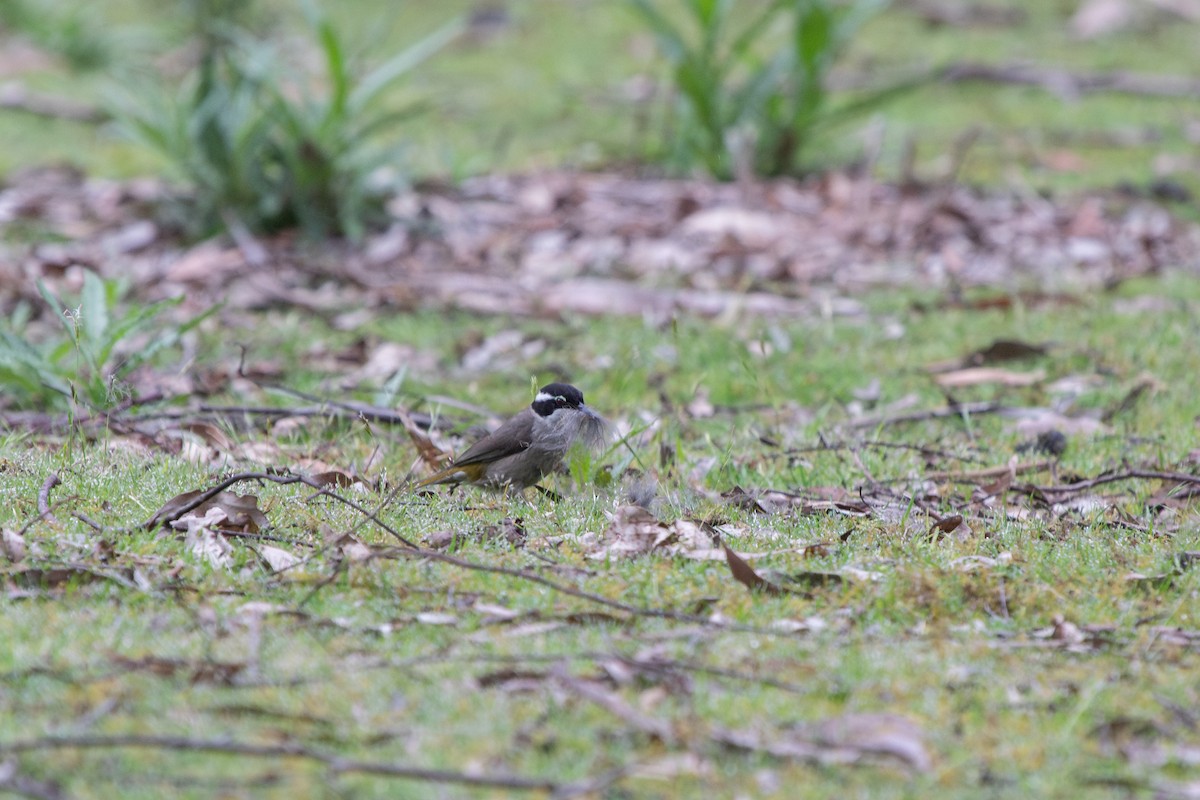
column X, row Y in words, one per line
column 562, row 401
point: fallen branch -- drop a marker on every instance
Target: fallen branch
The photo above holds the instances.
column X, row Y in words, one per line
column 1072, row 84
column 1056, row 493
column 334, row 763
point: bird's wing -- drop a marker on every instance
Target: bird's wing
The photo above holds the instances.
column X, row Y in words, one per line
column 509, row 439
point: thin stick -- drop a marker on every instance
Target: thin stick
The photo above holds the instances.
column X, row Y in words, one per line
column 991, row 473
column 335, row 763
column 44, row 511
column 1091, row 483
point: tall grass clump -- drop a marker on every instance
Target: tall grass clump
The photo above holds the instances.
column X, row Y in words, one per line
column 261, row 143
column 751, row 86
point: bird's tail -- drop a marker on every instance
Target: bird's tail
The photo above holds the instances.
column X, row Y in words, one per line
column 450, row 474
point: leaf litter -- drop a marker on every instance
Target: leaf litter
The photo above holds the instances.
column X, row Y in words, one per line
column 560, row 243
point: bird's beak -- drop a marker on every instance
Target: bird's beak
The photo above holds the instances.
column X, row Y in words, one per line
column 586, row 409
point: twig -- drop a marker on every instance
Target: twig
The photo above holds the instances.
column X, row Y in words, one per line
column 335, row 763
column 862, row 467
column 957, row 410
column 43, row 500
column 85, row 519
column 16, row 97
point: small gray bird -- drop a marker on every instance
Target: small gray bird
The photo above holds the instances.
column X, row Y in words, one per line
column 524, row 449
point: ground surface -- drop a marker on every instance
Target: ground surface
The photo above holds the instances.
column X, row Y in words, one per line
column 900, row 499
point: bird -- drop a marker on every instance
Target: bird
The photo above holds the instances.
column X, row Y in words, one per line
column 531, row 444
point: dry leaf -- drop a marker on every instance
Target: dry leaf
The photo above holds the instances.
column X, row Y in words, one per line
column 1096, row 18
column 202, row 541
column 241, row 511
column 277, row 559
column 635, row 531
column 744, row 574
column 12, row 544
column 945, row 525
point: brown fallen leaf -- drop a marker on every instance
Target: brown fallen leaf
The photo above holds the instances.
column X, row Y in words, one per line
column 338, row 478
column 1006, row 350
column 429, row 452
column 945, row 525
column 998, row 351
column 241, row 510
column 212, row 435
column 798, row 583
column 744, row 574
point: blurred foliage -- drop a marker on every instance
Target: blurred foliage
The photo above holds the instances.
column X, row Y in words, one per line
column 742, row 106
column 263, row 145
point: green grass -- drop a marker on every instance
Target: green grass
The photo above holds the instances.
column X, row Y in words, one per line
column 357, row 673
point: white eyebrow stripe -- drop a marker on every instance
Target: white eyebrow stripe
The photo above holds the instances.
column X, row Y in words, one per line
column 542, row 396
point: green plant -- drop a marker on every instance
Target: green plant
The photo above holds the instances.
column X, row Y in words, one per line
column 88, row 365
column 740, row 105
column 261, row 148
